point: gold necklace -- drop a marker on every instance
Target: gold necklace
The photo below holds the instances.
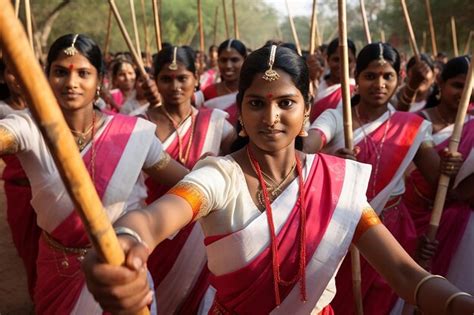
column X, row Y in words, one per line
column 183, row 158
column 81, row 137
column 273, row 190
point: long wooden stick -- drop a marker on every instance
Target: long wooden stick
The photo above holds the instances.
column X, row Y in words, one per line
column 29, row 27
column 313, row 37
column 455, row 37
column 17, row 7
column 468, row 43
column 156, row 18
column 201, row 28
column 365, row 22
column 135, row 26
column 145, row 29
column 432, row 30
column 45, row 109
column 293, row 29
column 225, row 20
column 214, row 39
column 236, row 23
column 411, row 34
column 382, row 36
column 348, row 139
column 423, row 43
column 107, row 35
column 443, row 182
column 138, row 60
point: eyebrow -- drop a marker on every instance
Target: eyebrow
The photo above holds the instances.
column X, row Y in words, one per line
column 67, row 68
column 264, row 97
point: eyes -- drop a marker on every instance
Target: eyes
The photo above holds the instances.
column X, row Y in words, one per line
column 169, row 79
column 388, row 76
column 63, row 72
column 232, row 59
column 259, row 103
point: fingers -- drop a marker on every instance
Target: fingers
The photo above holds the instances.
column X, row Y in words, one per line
column 151, row 92
column 348, row 154
column 451, row 162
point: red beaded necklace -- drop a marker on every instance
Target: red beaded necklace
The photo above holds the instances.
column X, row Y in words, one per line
column 301, row 274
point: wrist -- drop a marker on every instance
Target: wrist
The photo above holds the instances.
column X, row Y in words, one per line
column 132, row 234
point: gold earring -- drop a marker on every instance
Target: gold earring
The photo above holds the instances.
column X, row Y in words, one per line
column 242, row 132
column 303, row 132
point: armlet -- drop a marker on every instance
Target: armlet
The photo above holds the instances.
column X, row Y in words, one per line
column 368, row 219
column 193, row 196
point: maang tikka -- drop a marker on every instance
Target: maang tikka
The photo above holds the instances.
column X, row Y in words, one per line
column 229, row 44
column 174, row 66
column 71, row 50
column 271, row 75
column 381, row 60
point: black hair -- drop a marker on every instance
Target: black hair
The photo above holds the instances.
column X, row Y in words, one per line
column 86, row 47
column 424, row 57
column 236, row 44
column 334, row 45
column 257, row 63
column 454, row 67
column 4, row 91
column 117, row 66
column 371, row 52
column 184, row 55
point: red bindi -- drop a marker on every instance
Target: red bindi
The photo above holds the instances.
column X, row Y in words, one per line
column 71, row 67
column 269, row 96
column 173, row 76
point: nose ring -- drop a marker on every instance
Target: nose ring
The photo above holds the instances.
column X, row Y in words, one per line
column 277, row 120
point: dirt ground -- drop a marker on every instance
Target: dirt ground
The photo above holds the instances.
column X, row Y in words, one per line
column 14, row 297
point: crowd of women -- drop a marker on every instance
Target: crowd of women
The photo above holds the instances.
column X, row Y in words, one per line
column 229, row 186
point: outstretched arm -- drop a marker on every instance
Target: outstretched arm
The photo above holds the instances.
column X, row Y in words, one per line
column 384, row 253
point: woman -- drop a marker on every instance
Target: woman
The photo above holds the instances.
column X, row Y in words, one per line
column 187, row 134
column 262, row 254
column 115, row 149
column 231, row 55
column 139, row 104
column 329, row 93
column 419, row 82
column 389, row 141
column 123, row 81
column 454, row 255
column 20, row 215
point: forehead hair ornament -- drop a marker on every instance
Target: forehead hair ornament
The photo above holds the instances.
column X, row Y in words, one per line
column 174, row 66
column 71, row 50
column 271, row 75
column 229, row 44
column 381, row 59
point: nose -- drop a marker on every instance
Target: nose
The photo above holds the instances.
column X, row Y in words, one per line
column 271, row 116
column 176, row 85
column 380, row 82
column 71, row 80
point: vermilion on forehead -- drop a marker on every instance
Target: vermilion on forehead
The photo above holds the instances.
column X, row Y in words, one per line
column 77, row 61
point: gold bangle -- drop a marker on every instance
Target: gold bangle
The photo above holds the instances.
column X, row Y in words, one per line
column 423, row 281
column 452, row 297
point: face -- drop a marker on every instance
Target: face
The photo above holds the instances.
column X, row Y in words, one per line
column 12, row 83
column 230, row 62
column 273, row 112
column 74, row 81
column 125, row 77
column 199, row 62
column 451, row 91
column 176, row 86
column 377, row 83
column 335, row 66
column 427, row 82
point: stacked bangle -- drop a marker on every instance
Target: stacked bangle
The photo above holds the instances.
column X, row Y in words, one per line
column 122, row 230
column 420, row 284
column 451, row 298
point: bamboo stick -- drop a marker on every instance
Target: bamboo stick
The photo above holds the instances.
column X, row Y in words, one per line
column 468, row 43
column 135, row 27
column 29, row 25
column 45, row 109
column 236, row 24
column 201, row 29
column 382, row 36
column 145, row 30
column 365, row 22
column 313, row 38
column 156, row 18
column 455, row 37
column 348, row 138
column 17, row 7
column 225, row 20
column 293, row 29
column 431, row 25
column 138, row 60
column 214, row 39
column 410, row 30
column 107, row 35
column 423, row 43
column 443, row 182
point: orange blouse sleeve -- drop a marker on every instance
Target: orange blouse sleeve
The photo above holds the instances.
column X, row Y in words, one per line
column 368, row 219
column 193, row 196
